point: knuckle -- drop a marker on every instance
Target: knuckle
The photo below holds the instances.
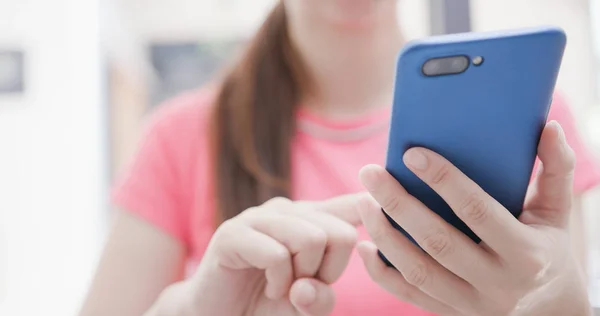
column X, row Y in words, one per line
column 536, row 266
column 475, row 209
column 417, row 275
column 278, row 202
column 226, row 236
column 345, row 237
column 349, row 236
column 226, row 228
column 379, row 234
column 249, row 212
column 315, row 240
column 441, row 175
column 392, row 204
column 438, row 244
column 280, row 256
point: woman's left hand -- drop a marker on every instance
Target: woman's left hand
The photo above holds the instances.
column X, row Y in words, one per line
column 522, row 267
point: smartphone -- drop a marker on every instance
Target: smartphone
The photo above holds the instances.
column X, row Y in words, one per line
column 481, row 100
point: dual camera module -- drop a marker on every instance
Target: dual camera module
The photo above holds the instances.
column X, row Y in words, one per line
column 453, row 65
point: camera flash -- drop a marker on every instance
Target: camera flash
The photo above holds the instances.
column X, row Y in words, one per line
column 477, row 61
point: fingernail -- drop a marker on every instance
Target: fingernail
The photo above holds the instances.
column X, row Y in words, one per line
column 559, row 130
column 416, row 159
column 307, row 293
column 561, row 133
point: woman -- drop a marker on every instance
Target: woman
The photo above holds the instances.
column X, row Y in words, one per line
column 298, row 116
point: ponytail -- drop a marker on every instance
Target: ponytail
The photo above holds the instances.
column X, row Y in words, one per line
column 254, row 121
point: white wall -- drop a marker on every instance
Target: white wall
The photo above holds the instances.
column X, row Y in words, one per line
column 578, row 74
column 130, row 24
column 214, row 18
column 51, row 151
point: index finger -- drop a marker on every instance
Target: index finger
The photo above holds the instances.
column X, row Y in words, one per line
column 486, row 217
column 343, row 207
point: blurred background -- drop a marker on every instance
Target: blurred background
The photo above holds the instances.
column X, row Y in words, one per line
column 78, row 76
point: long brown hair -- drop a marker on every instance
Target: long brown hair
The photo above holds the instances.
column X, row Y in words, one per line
column 254, row 120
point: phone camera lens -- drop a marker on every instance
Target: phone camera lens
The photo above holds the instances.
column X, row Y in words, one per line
column 458, row 64
column 477, row 61
column 432, row 67
column 445, row 66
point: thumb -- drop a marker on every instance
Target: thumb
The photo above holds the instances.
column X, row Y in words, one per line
column 551, row 195
column 312, row 297
column 343, row 207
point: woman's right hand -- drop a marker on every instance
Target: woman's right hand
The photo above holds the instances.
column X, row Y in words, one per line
column 279, row 258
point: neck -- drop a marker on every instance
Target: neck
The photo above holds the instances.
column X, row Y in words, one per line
column 352, row 70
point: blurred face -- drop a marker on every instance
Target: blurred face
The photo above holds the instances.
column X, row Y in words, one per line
column 348, row 14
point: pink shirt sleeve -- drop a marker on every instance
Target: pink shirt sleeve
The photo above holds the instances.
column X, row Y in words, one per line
column 587, row 170
column 158, row 185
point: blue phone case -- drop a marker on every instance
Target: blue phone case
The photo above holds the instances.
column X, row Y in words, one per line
column 487, row 120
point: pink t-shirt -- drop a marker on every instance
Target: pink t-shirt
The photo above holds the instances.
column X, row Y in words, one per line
column 168, row 182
